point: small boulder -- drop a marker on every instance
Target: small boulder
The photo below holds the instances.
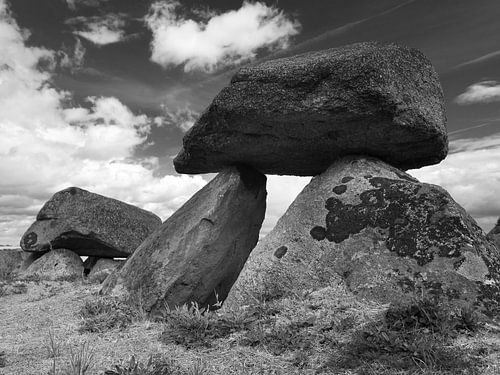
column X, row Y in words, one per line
column 297, row 115
column 59, row 264
column 102, row 268
column 384, row 233
column 89, row 224
column 197, row 253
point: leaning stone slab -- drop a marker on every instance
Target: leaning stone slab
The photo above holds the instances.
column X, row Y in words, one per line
column 89, row 224
column 197, row 253
column 297, row 115
column 494, row 234
column 60, row 264
column 386, row 235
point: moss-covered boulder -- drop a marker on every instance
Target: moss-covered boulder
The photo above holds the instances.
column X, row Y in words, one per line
column 386, row 234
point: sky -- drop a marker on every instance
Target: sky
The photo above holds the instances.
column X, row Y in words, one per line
column 98, row 93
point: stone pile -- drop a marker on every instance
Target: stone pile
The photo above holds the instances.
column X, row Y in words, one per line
column 74, row 223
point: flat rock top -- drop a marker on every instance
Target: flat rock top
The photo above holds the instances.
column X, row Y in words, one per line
column 297, row 115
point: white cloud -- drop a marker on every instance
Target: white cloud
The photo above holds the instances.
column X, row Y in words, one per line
column 75, row 59
column 223, row 40
column 471, row 174
column 480, row 92
column 74, row 4
column 182, row 118
column 100, row 30
column 46, row 146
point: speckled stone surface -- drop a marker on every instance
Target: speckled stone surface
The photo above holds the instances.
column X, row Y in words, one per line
column 197, row 253
column 89, row 224
column 102, row 268
column 383, row 232
column 494, row 234
column 295, row 116
column 55, row 265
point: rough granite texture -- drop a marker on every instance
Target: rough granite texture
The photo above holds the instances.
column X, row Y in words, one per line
column 89, row 224
column 494, row 234
column 102, row 268
column 296, row 115
column 383, row 232
column 56, row 265
column 197, row 253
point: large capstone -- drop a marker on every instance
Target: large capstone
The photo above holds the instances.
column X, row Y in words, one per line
column 297, row 115
column 385, row 234
column 198, row 253
column 89, row 224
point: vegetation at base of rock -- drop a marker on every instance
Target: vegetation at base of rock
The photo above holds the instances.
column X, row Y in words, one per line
column 413, row 336
column 102, row 314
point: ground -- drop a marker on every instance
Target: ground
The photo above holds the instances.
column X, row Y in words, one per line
column 326, row 331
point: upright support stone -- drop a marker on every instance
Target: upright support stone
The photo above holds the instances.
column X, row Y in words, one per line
column 198, row 253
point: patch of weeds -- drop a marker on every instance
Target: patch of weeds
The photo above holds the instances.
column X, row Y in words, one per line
column 52, row 346
column 193, row 327
column 80, row 360
column 132, row 367
column 414, row 336
column 102, row 314
column 157, row 365
column 3, row 362
column 279, row 339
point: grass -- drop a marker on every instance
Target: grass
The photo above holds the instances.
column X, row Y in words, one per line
column 101, row 314
column 81, row 360
column 8, row 288
column 52, row 346
column 325, row 331
column 417, row 337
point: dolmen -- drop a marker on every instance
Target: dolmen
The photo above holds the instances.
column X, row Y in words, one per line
column 356, row 118
column 75, row 222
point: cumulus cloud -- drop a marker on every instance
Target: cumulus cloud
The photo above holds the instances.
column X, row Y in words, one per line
column 100, row 30
column 471, row 174
column 182, row 118
column 46, row 146
column 481, row 92
column 222, row 40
